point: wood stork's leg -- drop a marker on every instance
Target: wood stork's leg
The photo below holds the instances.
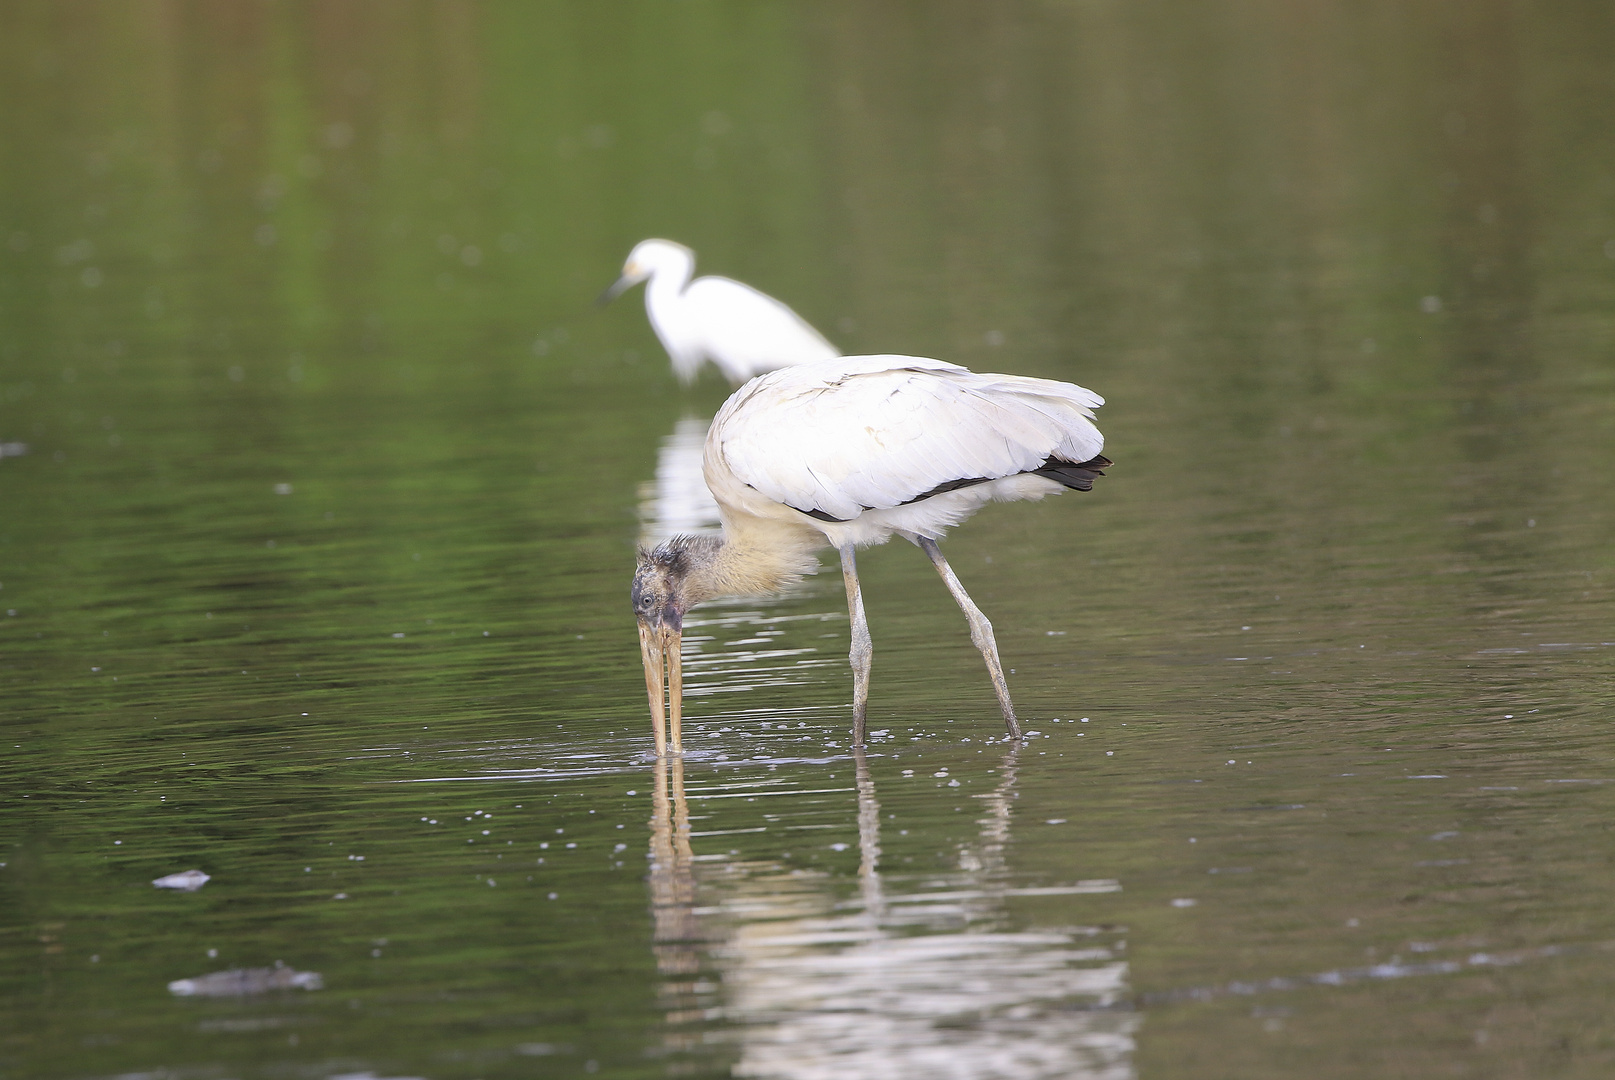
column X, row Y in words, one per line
column 863, row 649
column 981, row 631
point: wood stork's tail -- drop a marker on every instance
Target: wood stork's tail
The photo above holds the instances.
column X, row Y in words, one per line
column 1078, row 476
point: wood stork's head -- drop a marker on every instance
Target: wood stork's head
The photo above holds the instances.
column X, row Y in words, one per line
column 649, row 258
column 660, row 583
column 667, row 582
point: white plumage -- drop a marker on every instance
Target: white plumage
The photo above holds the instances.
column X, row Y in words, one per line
column 849, row 452
column 859, row 438
column 742, row 331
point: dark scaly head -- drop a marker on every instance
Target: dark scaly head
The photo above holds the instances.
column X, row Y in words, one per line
column 662, row 592
column 660, row 585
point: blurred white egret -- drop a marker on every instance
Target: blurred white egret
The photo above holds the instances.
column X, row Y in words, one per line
column 743, row 331
column 848, row 452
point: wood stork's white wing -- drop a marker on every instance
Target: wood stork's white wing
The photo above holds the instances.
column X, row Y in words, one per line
column 874, row 432
column 745, row 331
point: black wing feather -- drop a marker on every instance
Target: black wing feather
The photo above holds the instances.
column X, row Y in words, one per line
column 1077, row 475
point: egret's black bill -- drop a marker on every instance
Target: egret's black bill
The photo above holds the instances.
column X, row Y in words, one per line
column 616, row 289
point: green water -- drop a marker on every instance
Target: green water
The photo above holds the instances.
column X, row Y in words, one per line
column 322, row 480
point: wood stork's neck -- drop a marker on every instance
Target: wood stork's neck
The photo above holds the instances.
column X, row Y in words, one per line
column 754, row 557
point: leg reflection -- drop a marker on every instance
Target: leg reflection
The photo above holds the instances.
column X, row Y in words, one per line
column 995, row 824
column 793, row 971
column 925, row 974
column 868, row 840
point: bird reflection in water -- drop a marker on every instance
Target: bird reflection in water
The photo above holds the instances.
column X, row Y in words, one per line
column 731, row 647
column 927, row 981
column 678, row 941
column 677, row 502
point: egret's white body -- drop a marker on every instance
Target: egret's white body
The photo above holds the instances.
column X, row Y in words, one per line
column 743, row 331
column 846, row 453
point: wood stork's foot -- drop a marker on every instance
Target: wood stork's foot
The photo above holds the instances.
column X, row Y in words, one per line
column 981, row 631
column 863, row 648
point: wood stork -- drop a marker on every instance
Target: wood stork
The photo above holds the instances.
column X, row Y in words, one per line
column 741, row 330
column 847, row 453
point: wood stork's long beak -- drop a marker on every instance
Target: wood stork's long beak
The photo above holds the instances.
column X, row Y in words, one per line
column 658, row 646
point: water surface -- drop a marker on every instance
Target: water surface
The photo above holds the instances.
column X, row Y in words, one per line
column 321, row 480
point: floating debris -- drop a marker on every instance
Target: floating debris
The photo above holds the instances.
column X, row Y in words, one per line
column 185, row 880
column 239, row 982
column 13, row 449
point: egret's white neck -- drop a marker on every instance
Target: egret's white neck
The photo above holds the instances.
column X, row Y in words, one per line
column 669, row 314
column 671, row 274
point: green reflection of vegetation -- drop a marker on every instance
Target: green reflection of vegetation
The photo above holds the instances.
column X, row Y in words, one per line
column 350, row 249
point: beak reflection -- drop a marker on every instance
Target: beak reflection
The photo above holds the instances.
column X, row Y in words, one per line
column 660, row 647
